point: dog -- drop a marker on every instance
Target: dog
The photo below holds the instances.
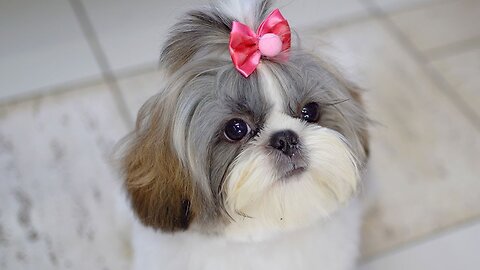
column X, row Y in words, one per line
column 251, row 155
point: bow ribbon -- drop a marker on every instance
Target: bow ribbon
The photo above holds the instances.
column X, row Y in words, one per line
column 246, row 47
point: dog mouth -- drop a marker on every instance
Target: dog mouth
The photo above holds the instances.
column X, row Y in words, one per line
column 295, row 171
column 290, row 167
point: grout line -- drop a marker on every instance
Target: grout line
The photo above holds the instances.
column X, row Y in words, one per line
column 432, row 236
column 51, row 90
column 441, row 84
column 101, row 58
column 453, row 49
column 75, row 85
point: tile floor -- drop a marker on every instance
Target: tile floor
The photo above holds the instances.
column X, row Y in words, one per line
column 419, row 59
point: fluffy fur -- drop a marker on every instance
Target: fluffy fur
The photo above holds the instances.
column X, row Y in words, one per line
column 205, row 202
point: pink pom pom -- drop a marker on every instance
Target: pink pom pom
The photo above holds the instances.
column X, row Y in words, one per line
column 270, row 45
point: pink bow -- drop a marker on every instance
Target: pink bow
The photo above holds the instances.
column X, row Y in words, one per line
column 246, row 47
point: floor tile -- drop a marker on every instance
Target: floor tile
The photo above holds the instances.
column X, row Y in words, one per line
column 454, row 250
column 423, row 149
column 42, row 46
column 440, row 25
column 314, row 13
column 131, row 33
column 392, row 5
column 57, row 203
column 462, row 72
column 137, row 89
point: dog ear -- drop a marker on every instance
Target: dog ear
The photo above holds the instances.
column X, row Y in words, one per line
column 159, row 188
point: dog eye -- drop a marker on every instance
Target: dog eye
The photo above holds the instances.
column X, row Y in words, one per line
column 236, row 129
column 310, row 112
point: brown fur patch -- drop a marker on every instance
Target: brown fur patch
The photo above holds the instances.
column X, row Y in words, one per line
column 160, row 190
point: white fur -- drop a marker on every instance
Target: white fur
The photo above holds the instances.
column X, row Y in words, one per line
column 262, row 204
column 270, row 86
column 331, row 245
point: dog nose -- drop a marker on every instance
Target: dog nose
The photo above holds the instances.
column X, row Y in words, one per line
column 285, row 141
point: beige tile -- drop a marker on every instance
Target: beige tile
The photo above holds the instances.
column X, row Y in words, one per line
column 457, row 249
column 137, row 89
column 392, row 5
column 462, row 72
column 58, row 208
column 424, row 152
column 440, row 25
column 131, row 32
column 42, row 46
column 314, row 13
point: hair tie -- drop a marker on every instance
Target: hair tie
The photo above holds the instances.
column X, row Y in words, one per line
column 247, row 47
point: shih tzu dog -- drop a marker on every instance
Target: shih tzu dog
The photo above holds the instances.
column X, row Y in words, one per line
column 251, row 155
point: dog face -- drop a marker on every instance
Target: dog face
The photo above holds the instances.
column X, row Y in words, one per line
column 216, row 151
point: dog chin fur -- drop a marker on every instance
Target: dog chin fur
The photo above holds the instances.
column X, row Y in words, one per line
column 202, row 201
